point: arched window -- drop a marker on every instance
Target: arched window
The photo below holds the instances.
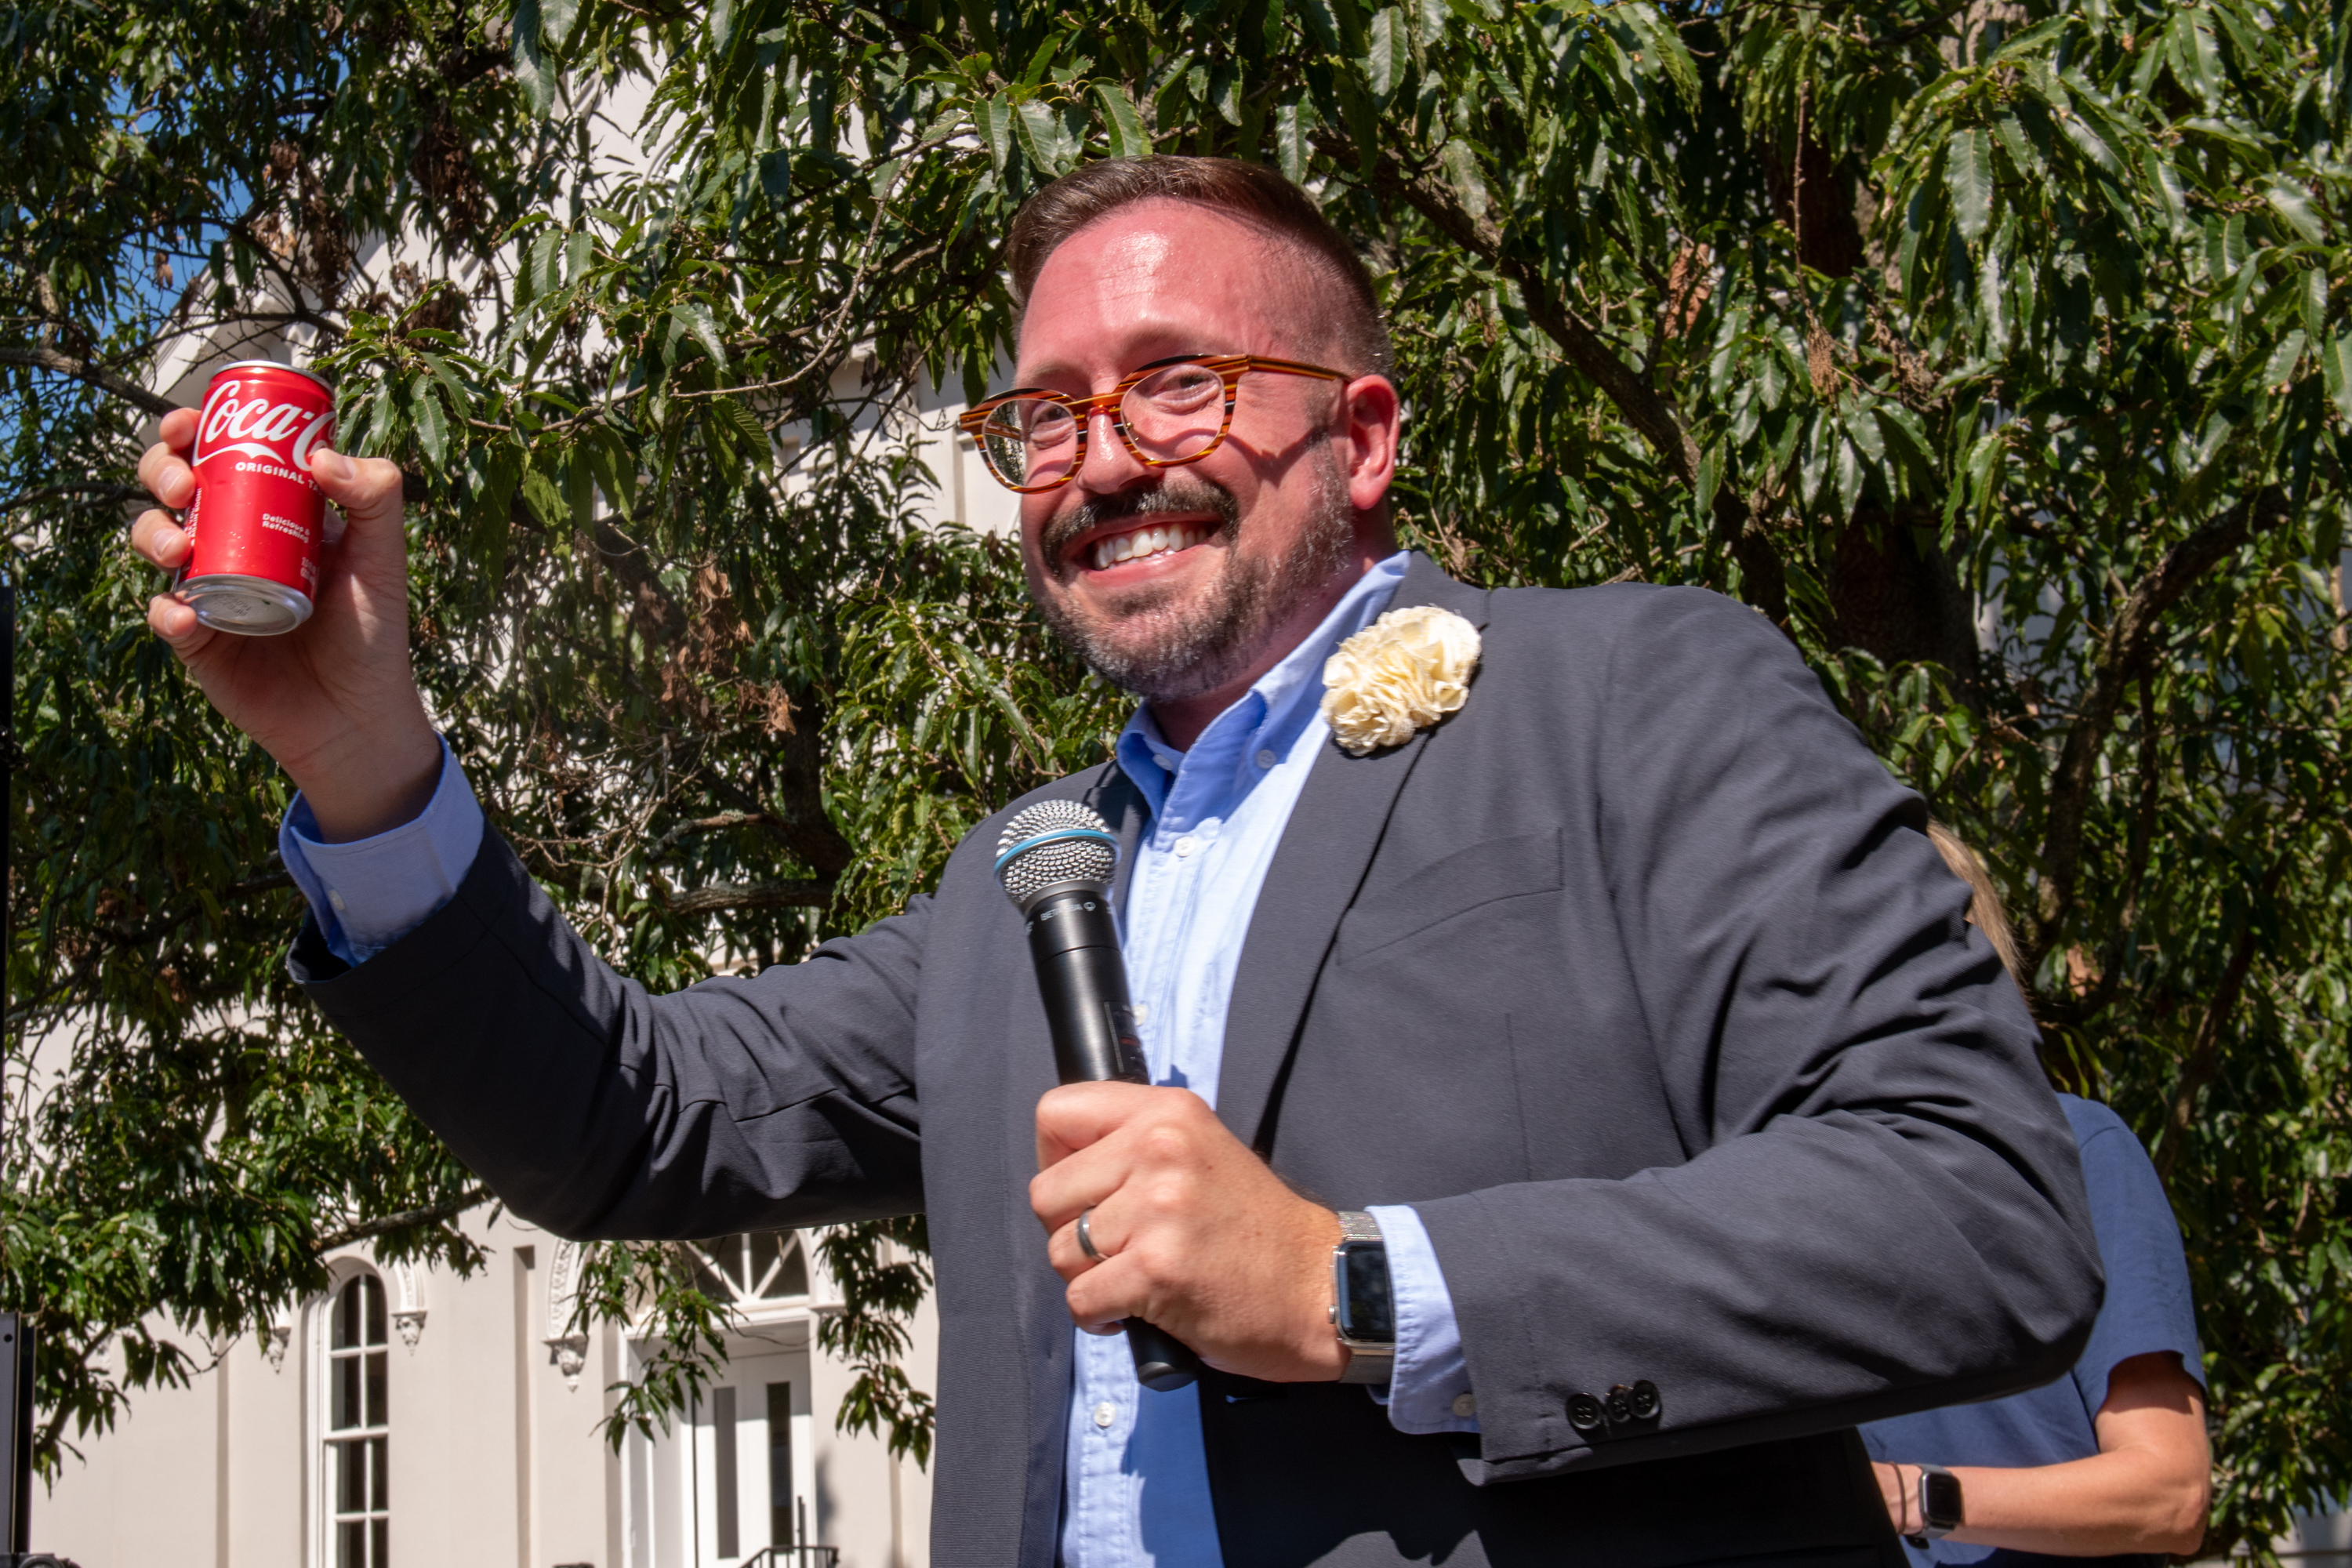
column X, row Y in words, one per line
column 764, row 1267
column 358, row 1494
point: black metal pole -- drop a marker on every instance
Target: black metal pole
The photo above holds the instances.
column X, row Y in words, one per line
column 16, row 1326
column 21, row 1369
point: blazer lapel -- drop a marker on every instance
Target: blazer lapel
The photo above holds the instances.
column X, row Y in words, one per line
column 1334, row 831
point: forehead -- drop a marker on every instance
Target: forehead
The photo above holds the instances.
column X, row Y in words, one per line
column 1152, row 279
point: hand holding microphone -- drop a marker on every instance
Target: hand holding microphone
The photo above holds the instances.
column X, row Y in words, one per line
column 1055, row 861
column 1190, row 1240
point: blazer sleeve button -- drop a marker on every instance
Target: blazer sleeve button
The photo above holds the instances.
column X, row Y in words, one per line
column 1643, row 1399
column 1584, row 1412
column 1619, row 1406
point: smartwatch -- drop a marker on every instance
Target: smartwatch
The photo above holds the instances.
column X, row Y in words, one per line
column 1940, row 1510
column 1363, row 1304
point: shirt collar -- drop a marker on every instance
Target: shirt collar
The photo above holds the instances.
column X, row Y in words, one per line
column 1272, row 711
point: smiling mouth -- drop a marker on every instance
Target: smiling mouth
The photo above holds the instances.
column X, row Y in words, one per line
column 1147, row 543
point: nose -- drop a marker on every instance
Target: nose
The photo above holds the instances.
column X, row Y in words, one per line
column 1109, row 465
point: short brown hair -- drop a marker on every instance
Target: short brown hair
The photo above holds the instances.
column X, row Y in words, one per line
column 1250, row 192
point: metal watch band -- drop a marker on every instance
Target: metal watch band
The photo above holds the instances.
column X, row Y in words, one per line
column 1368, row 1363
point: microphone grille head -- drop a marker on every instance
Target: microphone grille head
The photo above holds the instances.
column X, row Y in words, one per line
column 1053, row 843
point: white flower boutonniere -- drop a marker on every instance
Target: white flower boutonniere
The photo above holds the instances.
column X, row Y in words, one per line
column 1402, row 673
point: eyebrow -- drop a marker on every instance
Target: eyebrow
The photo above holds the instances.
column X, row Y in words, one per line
column 1043, row 374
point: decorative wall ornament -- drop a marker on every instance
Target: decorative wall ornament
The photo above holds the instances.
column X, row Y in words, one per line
column 280, row 1335
column 570, row 1354
column 567, row 1347
column 407, row 1307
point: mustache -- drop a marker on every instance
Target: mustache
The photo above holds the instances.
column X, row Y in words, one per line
column 1177, row 492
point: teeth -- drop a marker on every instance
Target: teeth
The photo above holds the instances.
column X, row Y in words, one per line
column 1146, row 541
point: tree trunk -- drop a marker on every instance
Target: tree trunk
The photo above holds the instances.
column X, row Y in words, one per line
column 1896, row 601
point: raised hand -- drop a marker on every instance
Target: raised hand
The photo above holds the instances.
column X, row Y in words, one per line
column 335, row 699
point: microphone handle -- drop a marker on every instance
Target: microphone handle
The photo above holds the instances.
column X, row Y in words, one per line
column 1073, row 940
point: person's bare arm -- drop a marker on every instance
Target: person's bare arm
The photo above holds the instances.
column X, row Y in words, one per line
column 2145, row 1490
column 334, row 699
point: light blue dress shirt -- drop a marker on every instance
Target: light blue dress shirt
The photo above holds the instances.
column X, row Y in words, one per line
column 1135, row 1483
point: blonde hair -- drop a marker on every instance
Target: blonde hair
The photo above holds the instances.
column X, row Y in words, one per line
column 1984, row 900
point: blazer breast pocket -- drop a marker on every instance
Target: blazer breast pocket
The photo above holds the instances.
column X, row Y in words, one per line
column 1470, row 878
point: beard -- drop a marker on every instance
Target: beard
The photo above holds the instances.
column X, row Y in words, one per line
column 1152, row 640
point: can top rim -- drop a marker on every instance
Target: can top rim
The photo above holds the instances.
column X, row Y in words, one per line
column 274, row 365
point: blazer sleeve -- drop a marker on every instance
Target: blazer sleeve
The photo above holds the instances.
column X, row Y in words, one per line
column 1881, row 1209
column 597, row 1109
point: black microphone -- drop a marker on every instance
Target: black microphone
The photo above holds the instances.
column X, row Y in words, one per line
column 1056, row 860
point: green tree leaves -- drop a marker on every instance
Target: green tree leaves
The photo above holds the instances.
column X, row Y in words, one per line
column 1999, row 361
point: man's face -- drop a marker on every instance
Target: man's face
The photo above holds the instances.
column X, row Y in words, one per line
column 1173, row 582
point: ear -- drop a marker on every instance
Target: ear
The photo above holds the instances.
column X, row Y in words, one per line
column 1371, row 419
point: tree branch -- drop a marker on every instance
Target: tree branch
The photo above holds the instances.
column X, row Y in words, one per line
column 1636, row 400
column 97, row 375
column 2142, row 845
column 745, row 896
column 1640, row 405
column 2203, row 1061
column 2112, row 667
column 663, row 845
column 361, row 1230
column 94, row 494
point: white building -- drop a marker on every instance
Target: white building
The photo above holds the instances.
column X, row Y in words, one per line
column 405, row 1415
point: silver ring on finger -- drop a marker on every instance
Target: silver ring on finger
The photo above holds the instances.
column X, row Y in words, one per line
column 1087, row 1235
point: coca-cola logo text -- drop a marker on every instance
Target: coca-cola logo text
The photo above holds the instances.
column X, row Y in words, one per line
column 283, row 432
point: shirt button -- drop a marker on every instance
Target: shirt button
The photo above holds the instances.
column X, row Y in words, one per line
column 1142, row 1012
column 336, row 898
column 1186, row 845
column 1105, row 1413
column 1267, row 759
column 1466, row 1406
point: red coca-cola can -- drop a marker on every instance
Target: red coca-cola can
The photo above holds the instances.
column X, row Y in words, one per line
column 258, row 515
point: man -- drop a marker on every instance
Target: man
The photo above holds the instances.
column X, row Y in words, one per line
column 1627, row 1004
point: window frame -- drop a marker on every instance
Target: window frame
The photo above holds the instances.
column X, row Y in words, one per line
column 321, row 1435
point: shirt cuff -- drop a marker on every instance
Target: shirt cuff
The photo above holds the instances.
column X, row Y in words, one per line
column 370, row 892
column 1430, row 1389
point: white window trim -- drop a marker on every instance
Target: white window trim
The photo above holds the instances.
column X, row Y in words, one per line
column 319, row 1314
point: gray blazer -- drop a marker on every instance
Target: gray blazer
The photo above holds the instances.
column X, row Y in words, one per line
column 1636, row 977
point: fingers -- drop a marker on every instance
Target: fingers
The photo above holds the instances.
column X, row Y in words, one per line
column 159, row 538
column 177, row 624
column 366, row 488
column 1113, row 1286
column 1079, row 1115
column 1096, row 1139
column 1122, row 1286
column 1069, row 1259
column 164, row 467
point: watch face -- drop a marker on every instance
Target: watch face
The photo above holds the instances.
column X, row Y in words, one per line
column 1939, row 1499
column 1367, row 1312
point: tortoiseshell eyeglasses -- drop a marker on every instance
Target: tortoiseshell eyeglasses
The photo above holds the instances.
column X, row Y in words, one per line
column 1168, row 413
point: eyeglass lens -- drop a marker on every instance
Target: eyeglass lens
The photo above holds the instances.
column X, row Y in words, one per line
column 1171, row 416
